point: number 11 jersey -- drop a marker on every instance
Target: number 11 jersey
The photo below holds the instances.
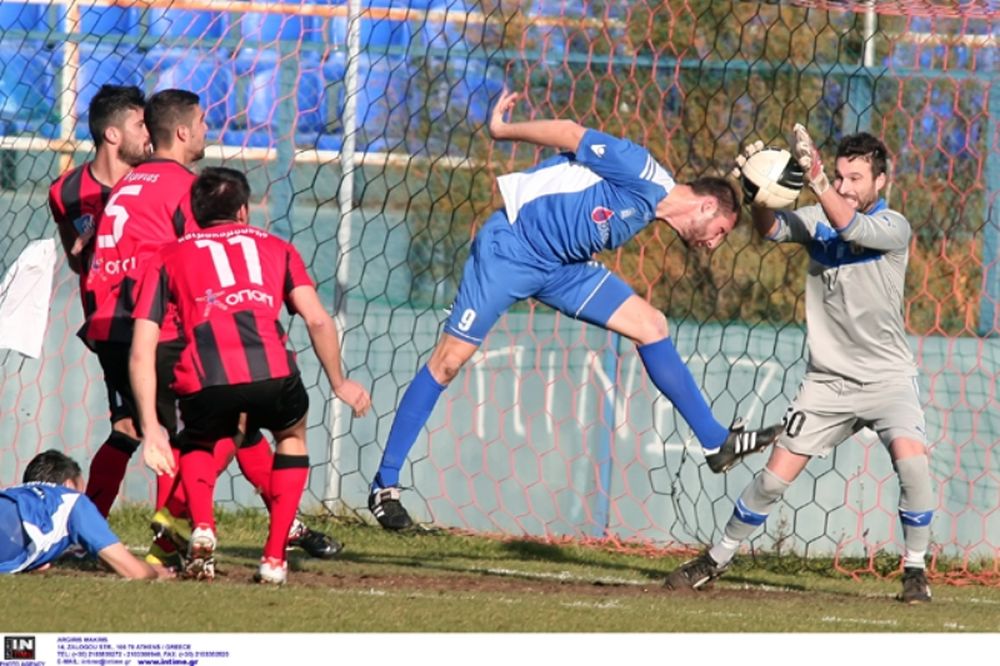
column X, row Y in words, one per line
column 228, row 283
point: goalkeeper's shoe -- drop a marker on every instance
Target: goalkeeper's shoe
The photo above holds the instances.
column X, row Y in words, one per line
column 694, row 574
column 272, row 571
column 201, row 554
column 316, row 544
column 166, row 525
column 915, row 587
column 388, row 510
column 742, row 442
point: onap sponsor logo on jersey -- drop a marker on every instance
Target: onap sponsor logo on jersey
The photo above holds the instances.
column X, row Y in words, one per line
column 223, row 301
column 249, row 296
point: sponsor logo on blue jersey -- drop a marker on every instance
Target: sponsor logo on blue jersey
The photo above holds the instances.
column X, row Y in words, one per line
column 601, row 215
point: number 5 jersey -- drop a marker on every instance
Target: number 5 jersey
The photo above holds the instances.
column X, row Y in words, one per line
column 148, row 208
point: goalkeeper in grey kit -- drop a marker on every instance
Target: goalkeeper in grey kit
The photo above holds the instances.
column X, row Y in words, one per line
column 861, row 372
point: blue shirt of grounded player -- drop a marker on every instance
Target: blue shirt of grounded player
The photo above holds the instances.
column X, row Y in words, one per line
column 573, row 205
column 52, row 518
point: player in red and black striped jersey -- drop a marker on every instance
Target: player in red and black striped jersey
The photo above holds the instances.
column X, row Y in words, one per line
column 229, row 282
column 77, row 199
column 147, row 209
column 139, row 216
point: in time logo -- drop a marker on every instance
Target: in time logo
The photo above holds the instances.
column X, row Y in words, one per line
column 18, row 647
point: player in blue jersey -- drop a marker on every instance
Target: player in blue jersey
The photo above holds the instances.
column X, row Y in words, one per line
column 48, row 514
column 596, row 195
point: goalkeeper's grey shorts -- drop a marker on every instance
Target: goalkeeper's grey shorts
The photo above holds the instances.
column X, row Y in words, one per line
column 828, row 409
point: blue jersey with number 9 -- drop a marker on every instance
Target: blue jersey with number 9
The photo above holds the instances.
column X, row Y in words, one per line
column 572, row 206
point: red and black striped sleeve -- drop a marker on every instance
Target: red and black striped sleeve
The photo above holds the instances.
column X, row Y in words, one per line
column 153, row 292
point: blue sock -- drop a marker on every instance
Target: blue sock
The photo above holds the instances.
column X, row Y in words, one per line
column 411, row 415
column 674, row 380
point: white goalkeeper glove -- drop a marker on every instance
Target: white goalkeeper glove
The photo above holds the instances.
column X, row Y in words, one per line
column 741, row 160
column 804, row 150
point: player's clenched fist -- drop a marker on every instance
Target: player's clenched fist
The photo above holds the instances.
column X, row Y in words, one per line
column 354, row 395
column 497, row 122
column 809, row 159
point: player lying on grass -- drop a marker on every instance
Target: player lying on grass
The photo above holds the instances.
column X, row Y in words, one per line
column 861, row 372
column 594, row 196
column 48, row 514
column 227, row 282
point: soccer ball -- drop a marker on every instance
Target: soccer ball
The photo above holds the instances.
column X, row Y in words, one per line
column 772, row 178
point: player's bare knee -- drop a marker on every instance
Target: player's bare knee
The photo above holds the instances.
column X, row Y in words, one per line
column 448, row 359
column 905, row 447
column 126, row 427
column 290, row 446
column 445, row 367
column 658, row 325
column 652, row 327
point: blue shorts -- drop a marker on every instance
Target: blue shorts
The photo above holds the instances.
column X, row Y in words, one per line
column 501, row 271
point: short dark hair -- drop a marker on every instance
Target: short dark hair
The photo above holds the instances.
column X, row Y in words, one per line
column 167, row 110
column 107, row 107
column 721, row 189
column 867, row 147
column 218, row 194
column 51, row 467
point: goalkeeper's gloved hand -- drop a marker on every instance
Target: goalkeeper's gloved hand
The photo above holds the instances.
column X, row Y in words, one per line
column 741, row 160
column 804, row 150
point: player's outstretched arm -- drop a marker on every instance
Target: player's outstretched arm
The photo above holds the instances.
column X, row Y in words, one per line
column 561, row 134
column 323, row 334
column 142, row 374
column 128, row 565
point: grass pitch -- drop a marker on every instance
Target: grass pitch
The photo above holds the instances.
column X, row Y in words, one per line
column 442, row 582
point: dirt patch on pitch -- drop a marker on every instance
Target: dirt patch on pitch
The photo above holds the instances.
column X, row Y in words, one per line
column 500, row 584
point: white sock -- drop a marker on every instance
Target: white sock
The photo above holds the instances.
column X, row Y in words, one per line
column 724, row 551
column 914, row 559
